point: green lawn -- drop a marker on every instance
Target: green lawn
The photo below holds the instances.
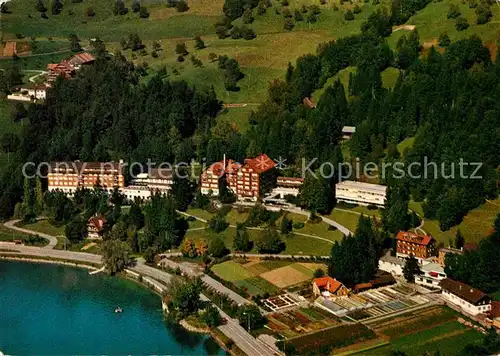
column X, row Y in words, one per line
column 407, row 143
column 349, row 216
column 342, row 75
column 45, row 227
column 317, row 229
column 302, row 245
column 448, row 338
column 476, row 225
column 6, row 122
column 200, row 213
column 10, row 235
column 237, row 117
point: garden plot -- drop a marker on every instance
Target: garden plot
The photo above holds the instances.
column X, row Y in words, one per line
column 372, row 303
column 259, row 278
column 280, row 302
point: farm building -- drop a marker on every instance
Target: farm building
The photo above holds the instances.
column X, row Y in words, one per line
column 467, row 298
column 327, row 286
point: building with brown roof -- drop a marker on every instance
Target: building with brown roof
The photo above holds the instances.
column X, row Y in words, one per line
column 81, row 59
column 69, row 176
column 328, row 286
column 63, row 69
column 412, row 244
column 95, row 227
column 469, row 299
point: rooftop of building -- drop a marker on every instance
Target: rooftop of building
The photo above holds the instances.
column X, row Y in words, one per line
column 463, row 291
column 260, row 164
column 349, row 129
column 392, row 259
column 79, row 166
column 361, row 185
column 328, row 283
column 412, row 237
column 451, row 250
column 432, row 267
column 81, row 58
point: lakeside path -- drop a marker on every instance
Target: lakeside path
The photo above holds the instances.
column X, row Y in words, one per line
column 232, row 329
column 11, row 224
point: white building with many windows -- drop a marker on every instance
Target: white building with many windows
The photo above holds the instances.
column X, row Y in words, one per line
column 432, row 275
column 470, row 300
column 360, row 193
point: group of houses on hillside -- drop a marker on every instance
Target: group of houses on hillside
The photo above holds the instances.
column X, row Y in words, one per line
column 66, row 69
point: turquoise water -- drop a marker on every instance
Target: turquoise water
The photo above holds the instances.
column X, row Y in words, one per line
column 59, row 310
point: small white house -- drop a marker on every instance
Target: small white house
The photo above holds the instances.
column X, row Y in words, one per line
column 470, row 300
column 347, row 132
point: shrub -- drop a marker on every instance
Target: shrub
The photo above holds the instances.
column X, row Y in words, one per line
column 284, row 3
column 289, row 25
column 181, row 6
column 461, row 24
column 286, row 13
column 348, row 15
column 483, row 13
column 356, row 9
column 298, row 225
column 298, row 16
column 89, row 12
column 143, row 12
column 453, row 12
column 180, row 58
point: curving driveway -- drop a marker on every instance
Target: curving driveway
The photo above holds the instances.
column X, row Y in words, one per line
column 52, row 239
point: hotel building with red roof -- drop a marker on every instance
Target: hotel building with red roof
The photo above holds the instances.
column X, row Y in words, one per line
column 248, row 181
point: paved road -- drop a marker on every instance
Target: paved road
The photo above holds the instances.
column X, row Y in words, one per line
column 240, row 336
column 52, row 239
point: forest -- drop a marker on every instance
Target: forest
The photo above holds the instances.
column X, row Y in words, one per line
column 447, row 99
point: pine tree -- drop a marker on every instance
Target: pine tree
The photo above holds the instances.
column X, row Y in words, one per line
column 459, row 240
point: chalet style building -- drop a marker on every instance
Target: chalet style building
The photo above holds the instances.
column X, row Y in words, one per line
column 412, row 244
column 95, row 227
column 328, row 286
column 69, row 176
column 470, row 300
column 251, row 180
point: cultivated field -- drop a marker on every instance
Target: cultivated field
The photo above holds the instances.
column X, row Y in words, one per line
column 300, row 321
column 422, row 332
column 259, row 277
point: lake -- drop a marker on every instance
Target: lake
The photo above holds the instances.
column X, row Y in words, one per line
column 60, row 310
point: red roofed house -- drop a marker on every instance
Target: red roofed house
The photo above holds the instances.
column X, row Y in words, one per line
column 327, row 286
column 256, row 177
column 412, row 244
column 95, row 227
column 81, row 59
column 64, row 69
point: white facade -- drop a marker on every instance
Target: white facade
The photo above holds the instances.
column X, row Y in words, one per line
column 360, row 193
column 391, row 264
column 433, row 273
column 37, row 93
column 465, row 305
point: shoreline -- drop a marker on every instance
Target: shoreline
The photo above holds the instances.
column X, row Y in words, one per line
column 127, row 274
